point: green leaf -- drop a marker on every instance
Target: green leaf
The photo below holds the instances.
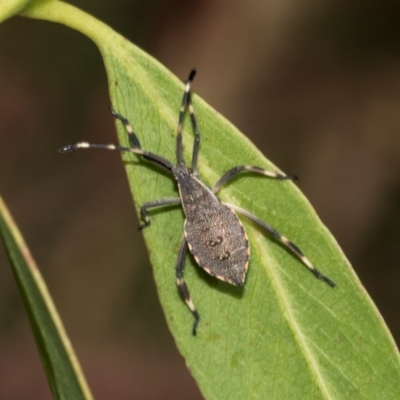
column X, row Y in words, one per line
column 63, row 372
column 285, row 334
column 8, row 8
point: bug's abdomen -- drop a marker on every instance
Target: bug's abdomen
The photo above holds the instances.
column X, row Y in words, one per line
column 219, row 244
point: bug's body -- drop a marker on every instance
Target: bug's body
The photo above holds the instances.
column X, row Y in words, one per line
column 212, row 232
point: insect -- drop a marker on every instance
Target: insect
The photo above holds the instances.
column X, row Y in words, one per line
column 213, row 232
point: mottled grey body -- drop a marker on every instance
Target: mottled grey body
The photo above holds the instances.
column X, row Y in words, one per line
column 213, row 232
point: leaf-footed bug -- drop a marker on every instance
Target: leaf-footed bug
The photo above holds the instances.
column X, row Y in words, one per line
column 212, row 231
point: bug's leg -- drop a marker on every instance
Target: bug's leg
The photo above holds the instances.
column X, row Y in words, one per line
column 290, row 245
column 134, row 141
column 182, row 287
column 186, row 94
column 152, row 204
column 247, row 168
column 196, row 145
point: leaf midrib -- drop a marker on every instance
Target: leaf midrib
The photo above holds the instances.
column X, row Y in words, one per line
column 287, row 311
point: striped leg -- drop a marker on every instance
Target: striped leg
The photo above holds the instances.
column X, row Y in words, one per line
column 186, row 95
column 291, row 246
column 134, row 141
column 182, row 287
column 152, row 204
column 196, row 145
column 247, row 168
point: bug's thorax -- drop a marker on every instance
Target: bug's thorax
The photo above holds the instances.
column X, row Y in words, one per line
column 197, row 198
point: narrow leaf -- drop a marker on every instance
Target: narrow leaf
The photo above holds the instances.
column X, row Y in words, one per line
column 285, row 334
column 63, row 372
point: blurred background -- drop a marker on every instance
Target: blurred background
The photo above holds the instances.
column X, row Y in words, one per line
column 314, row 84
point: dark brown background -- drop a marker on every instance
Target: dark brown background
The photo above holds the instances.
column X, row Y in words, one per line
column 316, row 86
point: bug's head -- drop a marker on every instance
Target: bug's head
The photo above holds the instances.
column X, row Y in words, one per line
column 181, row 172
